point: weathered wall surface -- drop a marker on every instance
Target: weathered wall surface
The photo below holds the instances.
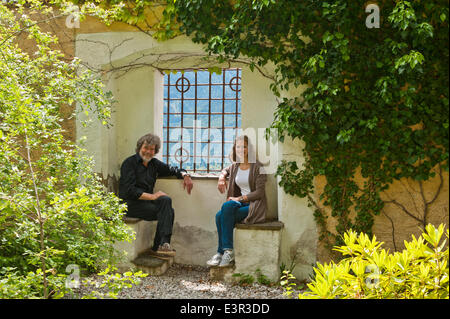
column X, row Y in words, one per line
column 408, row 205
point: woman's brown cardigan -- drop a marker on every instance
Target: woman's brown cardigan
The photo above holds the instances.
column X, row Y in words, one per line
column 257, row 196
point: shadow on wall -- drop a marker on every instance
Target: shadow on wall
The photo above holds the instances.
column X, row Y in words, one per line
column 111, row 182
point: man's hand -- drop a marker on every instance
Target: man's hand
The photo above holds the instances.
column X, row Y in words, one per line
column 155, row 196
column 222, row 185
column 158, row 195
column 187, row 184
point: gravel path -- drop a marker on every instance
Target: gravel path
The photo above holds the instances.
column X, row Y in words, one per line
column 192, row 282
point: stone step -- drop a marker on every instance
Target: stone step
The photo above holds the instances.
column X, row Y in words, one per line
column 151, row 264
column 257, row 250
column 217, row 273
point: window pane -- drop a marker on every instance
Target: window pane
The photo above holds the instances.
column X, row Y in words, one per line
column 174, row 93
column 203, row 92
column 215, row 149
column 201, row 163
column 215, row 135
column 226, row 161
column 190, row 76
column 216, row 91
column 229, row 74
column 189, row 92
column 215, row 164
column 229, row 93
column 227, row 148
column 188, row 151
column 173, row 162
column 175, row 134
column 175, row 120
column 202, row 77
column 230, row 120
column 174, row 77
column 201, row 149
column 230, row 106
column 204, row 135
column 202, row 120
column 216, row 106
column 188, row 120
column 202, row 106
column 216, row 120
column 173, row 147
column 188, row 106
column 188, row 135
column 230, row 134
column 175, row 106
column 189, row 164
column 216, row 78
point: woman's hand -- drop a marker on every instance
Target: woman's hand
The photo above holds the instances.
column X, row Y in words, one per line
column 222, row 185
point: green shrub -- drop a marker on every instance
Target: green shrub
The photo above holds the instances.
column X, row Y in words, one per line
column 368, row 271
column 54, row 209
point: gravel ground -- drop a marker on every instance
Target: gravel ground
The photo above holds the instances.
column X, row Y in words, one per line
column 192, row 282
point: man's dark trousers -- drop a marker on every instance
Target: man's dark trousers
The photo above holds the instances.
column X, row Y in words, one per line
column 160, row 210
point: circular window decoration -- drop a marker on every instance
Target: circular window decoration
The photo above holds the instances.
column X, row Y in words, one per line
column 183, row 85
column 181, row 155
column 235, row 83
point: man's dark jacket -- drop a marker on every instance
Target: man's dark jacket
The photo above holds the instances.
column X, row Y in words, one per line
column 136, row 179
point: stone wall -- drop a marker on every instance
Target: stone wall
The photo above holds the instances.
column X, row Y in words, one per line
column 398, row 221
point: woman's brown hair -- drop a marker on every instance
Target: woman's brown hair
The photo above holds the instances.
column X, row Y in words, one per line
column 249, row 148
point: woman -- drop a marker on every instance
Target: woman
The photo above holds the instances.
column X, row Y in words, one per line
column 246, row 199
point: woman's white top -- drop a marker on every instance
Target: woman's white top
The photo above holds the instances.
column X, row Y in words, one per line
column 242, row 180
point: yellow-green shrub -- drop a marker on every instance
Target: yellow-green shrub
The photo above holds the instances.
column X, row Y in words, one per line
column 368, row 271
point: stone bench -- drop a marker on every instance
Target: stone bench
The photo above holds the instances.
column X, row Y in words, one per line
column 256, row 247
column 137, row 251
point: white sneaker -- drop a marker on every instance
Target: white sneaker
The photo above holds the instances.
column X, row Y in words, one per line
column 227, row 258
column 215, row 260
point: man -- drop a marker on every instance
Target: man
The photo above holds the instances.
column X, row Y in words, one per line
column 138, row 175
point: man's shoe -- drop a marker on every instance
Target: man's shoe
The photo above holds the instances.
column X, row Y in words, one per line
column 227, row 258
column 215, row 260
column 164, row 250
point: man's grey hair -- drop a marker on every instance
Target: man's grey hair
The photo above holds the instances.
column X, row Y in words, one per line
column 150, row 139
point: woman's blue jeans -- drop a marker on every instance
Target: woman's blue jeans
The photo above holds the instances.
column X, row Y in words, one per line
column 231, row 213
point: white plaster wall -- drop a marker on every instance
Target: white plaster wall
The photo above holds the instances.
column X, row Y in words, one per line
column 258, row 107
column 194, row 234
column 299, row 238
